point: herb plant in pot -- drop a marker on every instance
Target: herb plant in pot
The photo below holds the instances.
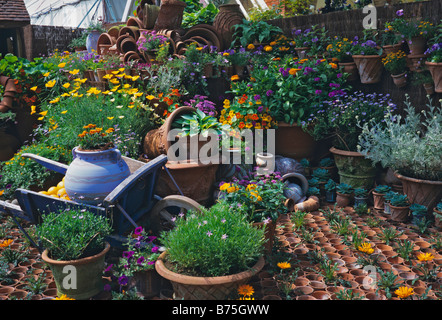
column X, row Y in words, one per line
column 344, row 194
column 75, row 239
column 97, row 166
column 399, row 207
column 407, row 144
column 418, row 213
column 209, row 255
column 378, row 196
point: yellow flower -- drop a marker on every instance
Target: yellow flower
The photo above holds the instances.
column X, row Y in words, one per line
column 1, row 192
column 63, row 297
column 65, row 94
column 284, row 265
column 251, row 46
column 293, row 71
column 225, row 54
column 64, row 111
column 110, row 118
column 255, row 196
column 66, row 85
column 366, row 247
column 234, row 77
column 55, row 100
column 251, row 187
column 404, row 292
column 33, row 109
column 62, row 65
column 246, row 290
column 333, row 65
column 46, row 74
column 34, row 88
column 268, row 48
column 43, row 113
column 74, row 72
column 425, row 257
column 50, row 84
column 6, row 243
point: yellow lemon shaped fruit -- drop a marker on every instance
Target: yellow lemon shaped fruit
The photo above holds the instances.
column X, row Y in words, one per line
column 52, row 190
column 43, row 192
column 61, row 192
column 60, row 184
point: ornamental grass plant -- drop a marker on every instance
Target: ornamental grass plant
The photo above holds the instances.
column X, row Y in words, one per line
column 219, row 241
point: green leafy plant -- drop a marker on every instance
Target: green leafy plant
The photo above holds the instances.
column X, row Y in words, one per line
column 348, row 294
column 382, row 189
column 197, row 123
column 326, row 162
column 360, row 192
column 344, row 188
column 404, row 248
column 361, row 209
column 388, row 281
column 395, row 62
column 298, row 219
column 37, row 284
column 203, row 15
column 418, row 210
column 321, row 174
column 330, row 185
column 73, row 234
column 13, row 256
column 78, row 42
column 249, row 32
column 406, row 143
column 218, row 242
column 399, row 200
column 389, row 234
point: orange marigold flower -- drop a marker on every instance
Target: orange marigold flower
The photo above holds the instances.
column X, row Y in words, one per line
column 6, row 243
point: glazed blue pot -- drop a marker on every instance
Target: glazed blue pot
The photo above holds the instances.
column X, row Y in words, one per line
column 92, row 41
column 92, row 175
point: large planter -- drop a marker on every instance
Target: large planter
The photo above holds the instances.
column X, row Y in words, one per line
column 92, row 41
column 293, row 142
column 228, row 16
column 354, row 169
column 92, row 175
column 369, row 67
column 83, row 279
column 170, row 15
column 194, row 179
column 156, row 141
column 425, row 192
column 436, row 72
column 205, row 288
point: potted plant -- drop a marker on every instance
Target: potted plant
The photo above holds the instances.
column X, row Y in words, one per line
column 344, row 194
column 263, row 196
column 434, row 64
column 339, row 120
column 305, row 39
column 137, row 263
column 150, row 43
column 93, row 32
column 330, row 191
column 74, row 240
column 396, row 64
column 418, row 213
column 238, row 59
column 79, row 43
column 254, row 32
column 329, row 164
column 378, row 196
column 96, row 158
column 389, row 40
column 360, row 196
column 368, row 58
column 406, row 144
column 306, row 164
column 339, row 49
column 222, row 251
column 399, row 207
column 322, row 175
column 424, row 79
column 437, row 213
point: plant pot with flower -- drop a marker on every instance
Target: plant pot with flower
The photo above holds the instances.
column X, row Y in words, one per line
column 97, row 166
column 152, row 45
column 395, row 63
column 434, row 65
column 223, row 252
column 136, row 267
column 330, row 191
column 360, row 196
column 368, row 58
column 399, row 144
column 340, row 49
column 265, row 202
column 343, row 128
column 74, row 241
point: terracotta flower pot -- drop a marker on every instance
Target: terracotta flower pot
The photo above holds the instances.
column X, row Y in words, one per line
column 370, row 68
column 415, row 62
column 88, row 274
column 400, row 80
column 399, row 214
column 205, row 288
column 392, row 48
column 417, row 45
column 429, row 88
column 436, row 72
column 228, row 16
column 437, row 218
column 147, row 283
column 343, row 200
column 302, row 52
column 378, row 201
column 170, row 15
column 351, row 69
column 425, row 192
column 269, row 233
column 293, row 142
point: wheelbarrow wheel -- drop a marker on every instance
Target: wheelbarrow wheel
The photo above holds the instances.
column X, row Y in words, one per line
column 161, row 217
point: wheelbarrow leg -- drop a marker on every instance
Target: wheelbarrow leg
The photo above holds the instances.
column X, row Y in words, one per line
column 26, row 234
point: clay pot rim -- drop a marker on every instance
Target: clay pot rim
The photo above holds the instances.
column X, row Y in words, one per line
column 205, row 281
column 433, row 63
column 402, row 177
column 345, row 152
column 81, row 261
